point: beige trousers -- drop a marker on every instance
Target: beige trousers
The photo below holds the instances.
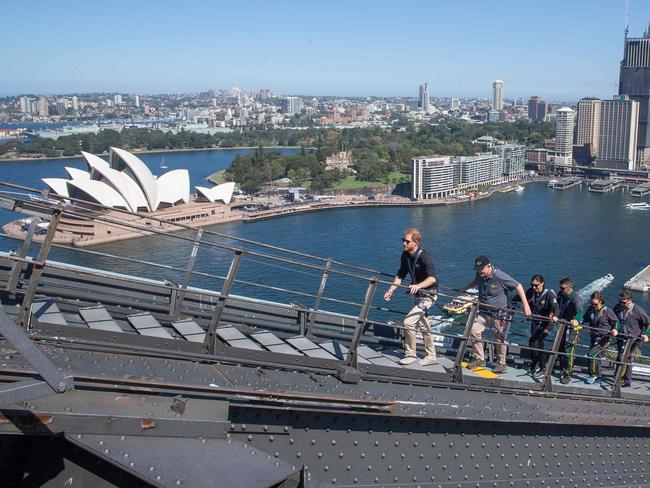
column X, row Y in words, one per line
column 416, row 318
column 476, row 338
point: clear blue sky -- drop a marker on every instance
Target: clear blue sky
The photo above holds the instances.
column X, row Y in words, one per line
column 558, row 49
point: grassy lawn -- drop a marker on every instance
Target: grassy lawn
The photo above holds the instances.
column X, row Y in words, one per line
column 351, row 183
column 217, row 178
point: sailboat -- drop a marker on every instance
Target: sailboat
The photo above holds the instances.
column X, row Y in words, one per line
column 162, row 164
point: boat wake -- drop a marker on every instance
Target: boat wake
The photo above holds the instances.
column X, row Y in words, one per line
column 597, row 285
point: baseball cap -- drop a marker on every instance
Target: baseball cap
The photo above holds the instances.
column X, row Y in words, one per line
column 480, row 262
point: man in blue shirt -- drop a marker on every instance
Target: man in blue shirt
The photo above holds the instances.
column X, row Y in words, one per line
column 493, row 288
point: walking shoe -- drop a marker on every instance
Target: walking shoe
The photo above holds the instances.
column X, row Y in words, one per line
column 500, row 368
column 591, row 380
column 406, row 360
column 476, row 363
column 428, row 361
column 565, row 380
column 625, row 384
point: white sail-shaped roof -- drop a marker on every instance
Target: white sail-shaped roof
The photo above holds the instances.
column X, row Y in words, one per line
column 97, row 192
column 57, row 185
column 174, row 186
column 221, row 192
column 94, row 161
column 140, row 172
column 124, row 185
column 77, row 174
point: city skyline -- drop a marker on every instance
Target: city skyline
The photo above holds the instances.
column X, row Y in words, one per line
column 460, row 50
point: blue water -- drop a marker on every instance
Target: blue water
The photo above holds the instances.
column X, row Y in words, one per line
column 571, row 233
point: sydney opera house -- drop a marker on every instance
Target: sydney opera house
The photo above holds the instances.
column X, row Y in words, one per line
column 125, row 182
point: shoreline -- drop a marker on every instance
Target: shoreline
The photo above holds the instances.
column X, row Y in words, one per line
column 156, row 151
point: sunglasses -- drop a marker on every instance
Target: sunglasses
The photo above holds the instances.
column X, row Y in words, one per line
column 564, row 288
column 535, row 285
column 406, row 241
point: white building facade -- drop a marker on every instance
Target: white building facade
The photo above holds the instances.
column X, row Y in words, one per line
column 564, row 123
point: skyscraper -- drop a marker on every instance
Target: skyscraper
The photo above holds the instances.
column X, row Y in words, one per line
column 43, row 107
column 497, row 95
column 423, row 100
column 564, row 122
column 75, row 103
column 617, row 137
column 291, row 105
column 588, row 124
column 26, row 105
column 537, row 108
column 136, row 101
column 634, row 81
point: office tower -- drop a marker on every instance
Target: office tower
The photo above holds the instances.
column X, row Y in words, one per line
column 75, row 103
column 497, row 95
column 26, row 105
column 587, row 128
column 537, row 108
column 634, row 81
column 564, row 122
column 118, row 99
column 513, row 157
column 136, row 101
column 433, row 177
column 291, row 105
column 618, row 134
column 423, row 100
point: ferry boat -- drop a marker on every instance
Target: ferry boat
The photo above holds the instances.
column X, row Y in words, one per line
column 460, row 305
column 519, row 188
column 604, row 186
column 551, row 183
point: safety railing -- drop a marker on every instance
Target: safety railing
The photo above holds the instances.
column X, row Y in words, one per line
column 46, row 209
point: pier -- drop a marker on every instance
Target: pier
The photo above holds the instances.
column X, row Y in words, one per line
column 640, row 281
column 566, row 183
column 640, row 190
column 604, row 186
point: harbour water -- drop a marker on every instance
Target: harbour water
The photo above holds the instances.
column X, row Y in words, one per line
column 571, row 233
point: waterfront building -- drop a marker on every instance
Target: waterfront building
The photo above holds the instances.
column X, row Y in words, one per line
column 497, row 95
column 618, row 134
column 433, row 177
column 564, row 123
column 291, row 105
column 474, row 171
column 513, row 158
column 588, row 126
column 634, row 81
column 537, row 108
column 424, row 102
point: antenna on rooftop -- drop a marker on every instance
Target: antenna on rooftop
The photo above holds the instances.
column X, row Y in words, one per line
column 627, row 18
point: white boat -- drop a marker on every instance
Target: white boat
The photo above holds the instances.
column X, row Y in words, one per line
column 162, row 164
column 551, row 183
column 638, row 206
column 519, row 188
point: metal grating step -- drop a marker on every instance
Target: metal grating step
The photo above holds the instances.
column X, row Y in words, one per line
column 339, row 350
column 235, row 338
column 147, row 325
column 274, row 344
column 309, row 348
column 47, row 312
column 190, row 330
column 99, row 318
column 376, row 357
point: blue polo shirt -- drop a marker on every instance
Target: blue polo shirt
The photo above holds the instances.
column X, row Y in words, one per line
column 494, row 289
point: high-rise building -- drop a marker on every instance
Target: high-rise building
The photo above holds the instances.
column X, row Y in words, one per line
column 26, row 105
column 493, row 116
column 537, row 108
column 291, row 105
column 497, row 95
column 514, row 159
column 61, row 106
column 75, row 103
column 634, row 81
column 482, row 169
column 43, row 107
column 433, row 177
column 118, row 99
column 618, row 134
column 454, row 104
column 424, row 102
column 136, row 101
column 564, row 123
column 588, row 121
